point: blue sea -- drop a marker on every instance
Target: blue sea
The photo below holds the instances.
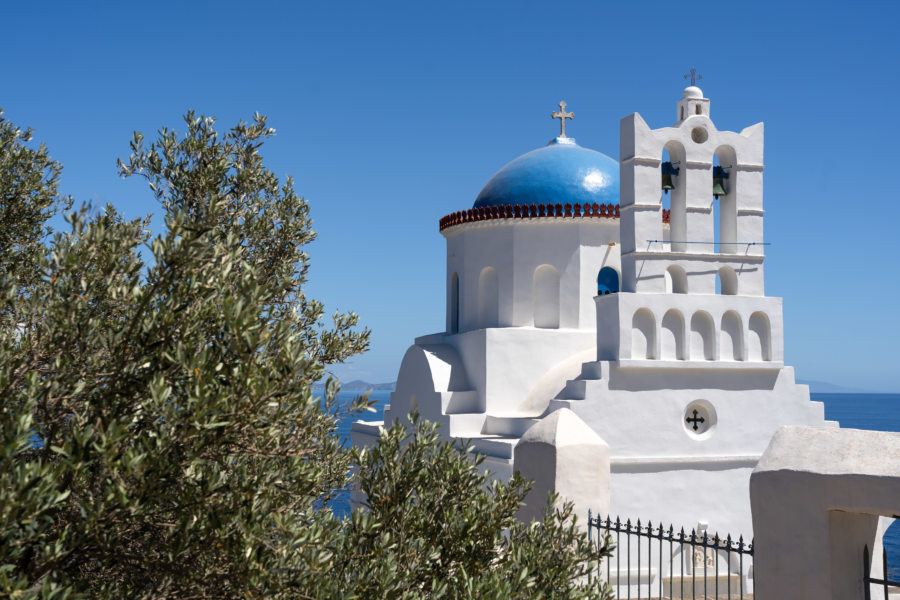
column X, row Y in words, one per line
column 856, row 411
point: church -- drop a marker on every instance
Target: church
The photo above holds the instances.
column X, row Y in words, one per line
column 628, row 294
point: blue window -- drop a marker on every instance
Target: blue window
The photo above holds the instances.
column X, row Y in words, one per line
column 607, row 281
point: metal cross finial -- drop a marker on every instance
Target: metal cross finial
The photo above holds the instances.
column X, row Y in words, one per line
column 695, row 420
column 562, row 115
column 694, row 76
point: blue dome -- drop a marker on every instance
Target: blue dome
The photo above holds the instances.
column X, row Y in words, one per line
column 558, row 173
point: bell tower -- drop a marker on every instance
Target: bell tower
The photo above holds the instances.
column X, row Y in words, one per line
column 692, row 288
column 715, row 181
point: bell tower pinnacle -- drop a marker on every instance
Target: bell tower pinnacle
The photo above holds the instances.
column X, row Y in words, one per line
column 692, row 104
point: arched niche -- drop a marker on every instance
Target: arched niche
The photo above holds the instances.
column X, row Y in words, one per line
column 703, row 336
column 607, row 281
column 643, row 334
column 671, row 343
column 677, row 201
column 545, row 296
column 676, row 280
column 731, row 345
column 726, row 206
column 759, row 345
column 454, row 303
column 488, row 298
column 726, row 282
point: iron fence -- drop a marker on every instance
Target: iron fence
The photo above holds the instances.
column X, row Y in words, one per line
column 672, row 564
column 885, row 584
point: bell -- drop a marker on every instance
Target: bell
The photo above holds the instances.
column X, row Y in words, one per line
column 667, row 171
column 719, row 177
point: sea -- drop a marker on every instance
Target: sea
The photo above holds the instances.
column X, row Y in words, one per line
column 880, row 412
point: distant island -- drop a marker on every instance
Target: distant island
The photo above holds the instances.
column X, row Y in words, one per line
column 358, row 385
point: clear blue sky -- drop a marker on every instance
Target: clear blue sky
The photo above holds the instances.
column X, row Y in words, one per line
column 390, row 115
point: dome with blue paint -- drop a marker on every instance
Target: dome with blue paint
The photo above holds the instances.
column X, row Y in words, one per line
column 561, row 172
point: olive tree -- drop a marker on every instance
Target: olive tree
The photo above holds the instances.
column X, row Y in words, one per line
column 160, row 433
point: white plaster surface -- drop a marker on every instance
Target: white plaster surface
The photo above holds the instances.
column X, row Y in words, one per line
column 563, row 455
column 817, row 494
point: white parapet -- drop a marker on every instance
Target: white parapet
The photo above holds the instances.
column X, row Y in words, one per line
column 562, row 454
column 692, row 329
column 816, row 496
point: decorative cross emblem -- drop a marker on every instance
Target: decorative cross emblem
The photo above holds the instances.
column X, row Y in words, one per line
column 562, row 115
column 694, row 76
column 695, row 420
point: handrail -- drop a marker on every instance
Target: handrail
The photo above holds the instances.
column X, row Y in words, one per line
column 531, row 211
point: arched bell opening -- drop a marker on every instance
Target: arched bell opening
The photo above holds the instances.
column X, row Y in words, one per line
column 607, row 281
column 724, row 190
column 669, row 171
column 674, row 197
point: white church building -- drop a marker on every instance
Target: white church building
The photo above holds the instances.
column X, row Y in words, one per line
column 570, row 285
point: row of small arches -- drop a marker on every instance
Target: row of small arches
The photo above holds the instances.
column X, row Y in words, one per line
column 544, row 293
column 700, row 339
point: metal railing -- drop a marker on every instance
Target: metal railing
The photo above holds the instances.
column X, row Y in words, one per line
column 687, row 565
column 885, row 584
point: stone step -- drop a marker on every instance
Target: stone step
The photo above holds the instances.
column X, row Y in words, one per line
column 466, row 424
column 594, row 370
column 495, row 446
column 459, row 402
column 558, row 403
column 500, row 468
column 508, row 426
column 579, row 389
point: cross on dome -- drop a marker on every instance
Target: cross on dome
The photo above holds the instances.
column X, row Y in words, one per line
column 562, row 115
column 694, row 76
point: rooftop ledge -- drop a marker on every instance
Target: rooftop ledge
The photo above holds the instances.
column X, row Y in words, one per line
column 532, row 211
column 649, row 363
column 667, row 254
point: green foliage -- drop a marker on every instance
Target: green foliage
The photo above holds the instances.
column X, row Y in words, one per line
column 160, row 436
column 28, row 198
column 436, row 527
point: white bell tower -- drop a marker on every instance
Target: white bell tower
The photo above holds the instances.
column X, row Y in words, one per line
column 693, row 291
column 716, row 219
